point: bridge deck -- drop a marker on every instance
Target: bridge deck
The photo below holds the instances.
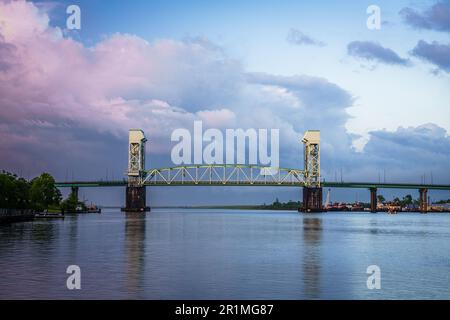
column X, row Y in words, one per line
column 239, row 175
column 364, row 185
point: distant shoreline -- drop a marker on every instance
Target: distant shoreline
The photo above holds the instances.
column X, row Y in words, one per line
column 229, row 207
column 254, row 207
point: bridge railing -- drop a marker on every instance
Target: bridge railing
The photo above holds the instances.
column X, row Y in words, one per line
column 224, row 175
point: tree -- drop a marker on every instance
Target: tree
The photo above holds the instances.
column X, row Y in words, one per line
column 43, row 192
column 14, row 192
column 408, row 199
column 381, row 199
column 276, row 203
column 21, row 194
column 70, row 204
column 6, row 188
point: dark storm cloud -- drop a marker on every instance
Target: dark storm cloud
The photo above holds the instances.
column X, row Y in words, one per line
column 297, row 37
column 312, row 90
column 321, row 105
column 437, row 17
column 373, row 51
column 435, row 53
column 410, row 152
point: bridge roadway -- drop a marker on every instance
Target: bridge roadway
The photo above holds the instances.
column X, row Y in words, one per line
column 325, row 184
column 238, row 175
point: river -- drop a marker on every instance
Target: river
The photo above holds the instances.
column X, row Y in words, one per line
column 227, row 254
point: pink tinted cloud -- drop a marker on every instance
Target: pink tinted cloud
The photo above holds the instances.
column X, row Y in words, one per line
column 121, row 82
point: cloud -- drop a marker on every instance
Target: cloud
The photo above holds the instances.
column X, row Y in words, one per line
column 373, row 51
column 437, row 17
column 299, row 103
column 58, row 96
column 299, row 38
column 410, row 152
column 222, row 118
column 435, row 53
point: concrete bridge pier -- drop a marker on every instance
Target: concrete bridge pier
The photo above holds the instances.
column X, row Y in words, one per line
column 312, row 199
column 423, row 204
column 75, row 191
column 135, row 199
column 373, row 200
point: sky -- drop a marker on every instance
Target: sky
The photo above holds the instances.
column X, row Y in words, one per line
column 380, row 97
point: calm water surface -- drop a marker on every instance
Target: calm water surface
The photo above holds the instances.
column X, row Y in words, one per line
column 228, row 254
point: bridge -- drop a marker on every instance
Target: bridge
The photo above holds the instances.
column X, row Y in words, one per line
column 238, row 175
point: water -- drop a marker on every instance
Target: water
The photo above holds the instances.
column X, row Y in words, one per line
column 228, row 254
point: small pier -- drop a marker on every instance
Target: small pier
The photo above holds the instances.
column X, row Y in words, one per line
column 15, row 215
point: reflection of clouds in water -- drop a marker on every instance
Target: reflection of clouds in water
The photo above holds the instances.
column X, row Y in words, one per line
column 134, row 250
column 312, row 236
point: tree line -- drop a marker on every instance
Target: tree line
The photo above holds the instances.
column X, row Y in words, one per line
column 405, row 201
column 38, row 194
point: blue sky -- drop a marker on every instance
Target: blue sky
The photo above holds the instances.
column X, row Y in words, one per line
column 380, row 97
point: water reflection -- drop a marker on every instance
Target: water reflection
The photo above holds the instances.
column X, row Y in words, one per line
column 180, row 254
column 134, row 250
column 373, row 226
column 312, row 236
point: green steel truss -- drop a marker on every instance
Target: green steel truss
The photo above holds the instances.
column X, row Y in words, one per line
column 224, row 175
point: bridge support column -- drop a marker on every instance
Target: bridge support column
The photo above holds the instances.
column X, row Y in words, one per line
column 423, row 204
column 373, row 200
column 75, row 191
column 135, row 199
column 312, row 199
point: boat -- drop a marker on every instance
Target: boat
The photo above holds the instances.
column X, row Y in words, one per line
column 392, row 211
column 357, row 207
column 93, row 209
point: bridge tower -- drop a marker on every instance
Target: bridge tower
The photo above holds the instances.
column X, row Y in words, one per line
column 312, row 191
column 135, row 197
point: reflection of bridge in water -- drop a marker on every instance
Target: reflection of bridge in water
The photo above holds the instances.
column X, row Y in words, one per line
column 312, row 236
column 135, row 251
column 239, row 175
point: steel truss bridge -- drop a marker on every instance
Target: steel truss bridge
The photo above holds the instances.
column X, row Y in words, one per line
column 238, row 175
column 138, row 177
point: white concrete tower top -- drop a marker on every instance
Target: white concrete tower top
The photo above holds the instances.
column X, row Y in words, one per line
column 137, row 136
column 311, row 137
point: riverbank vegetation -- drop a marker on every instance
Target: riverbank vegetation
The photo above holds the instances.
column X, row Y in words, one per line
column 39, row 194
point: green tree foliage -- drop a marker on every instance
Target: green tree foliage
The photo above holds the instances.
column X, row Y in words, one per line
column 408, row 199
column 38, row 194
column 14, row 191
column 381, row 199
column 43, row 192
column 290, row 205
column 277, row 203
column 70, row 204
